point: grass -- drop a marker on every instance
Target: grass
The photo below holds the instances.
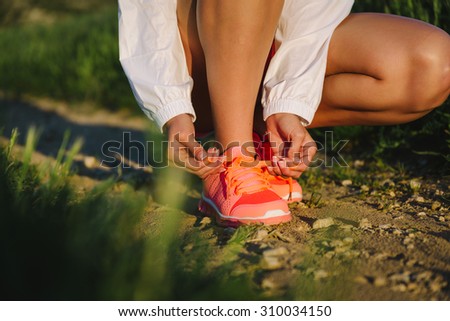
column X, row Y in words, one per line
column 59, row 243
column 433, row 11
column 74, row 60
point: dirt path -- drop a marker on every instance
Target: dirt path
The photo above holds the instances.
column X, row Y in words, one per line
column 388, row 240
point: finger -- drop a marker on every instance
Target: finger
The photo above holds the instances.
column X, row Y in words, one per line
column 309, row 151
column 296, row 164
column 275, row 167
column 194, row 147
column 271, row 171
column 213, row 152
column 288, row 172
column 297, row 140
column 276, row 143
column 294, row 172
column 283, row 167
column 214, row 156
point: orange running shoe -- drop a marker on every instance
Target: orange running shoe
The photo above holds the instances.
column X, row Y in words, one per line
column 287, row 188
column 242, row 194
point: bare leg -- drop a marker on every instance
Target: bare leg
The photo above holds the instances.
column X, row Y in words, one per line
column 384, row 69
column 236, row 37
column 381, row 69
column 195, row 59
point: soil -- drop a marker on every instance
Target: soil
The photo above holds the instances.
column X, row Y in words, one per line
column 389, row 241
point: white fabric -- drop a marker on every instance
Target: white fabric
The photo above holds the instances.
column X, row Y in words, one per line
column 152, row 56
column 294, row 80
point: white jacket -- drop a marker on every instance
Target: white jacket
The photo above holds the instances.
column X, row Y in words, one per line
column 152, row 56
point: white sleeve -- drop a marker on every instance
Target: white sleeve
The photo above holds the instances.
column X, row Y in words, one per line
column 152, row 56
column 294, row 79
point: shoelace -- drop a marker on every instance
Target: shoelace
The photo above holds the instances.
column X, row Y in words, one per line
column 281, row 179
column 245, row 180
column 260, row 150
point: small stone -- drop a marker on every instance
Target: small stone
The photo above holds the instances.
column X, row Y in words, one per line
column 407, row 240
column 329, row 255
column 361, row 280
column 412, row 286
column 391, row 194
column 365, row 224
column 411, row 263
column 436, row 286
column 348, row 240
column 346, row 226
column 397, row 232
column 260, row 235
column 420, row 199
column 323, row 223
column 264, row 246
column 346, row 182
column 302, row 227
column 268, row 284
column 320, row 274
column 396, row 205
column 279, row 251
column 400, row 288
column 358, row 163
column 388, row 182
column 379, row 282
column 414, row 184
column 309, row 271
column 436, row 205
column 422, row 214
column 353, row 253
column 365, row 188
column 271, row 263
column 410, row 247
column 404, row 277
column 90, row 162
column 424, row 276
column 337, row 243
column 441, row 219
column 206, row 220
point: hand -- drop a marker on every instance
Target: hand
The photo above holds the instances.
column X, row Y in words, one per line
column 186, row 152
column 293, row 147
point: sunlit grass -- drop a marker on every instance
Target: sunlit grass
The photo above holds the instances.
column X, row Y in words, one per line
column 58, row 243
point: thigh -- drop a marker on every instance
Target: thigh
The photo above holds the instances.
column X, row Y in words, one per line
column 379, row 45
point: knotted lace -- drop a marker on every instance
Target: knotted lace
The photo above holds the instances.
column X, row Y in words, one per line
column 245, row 180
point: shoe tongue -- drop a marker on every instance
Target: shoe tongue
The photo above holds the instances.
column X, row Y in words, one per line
column 239, row 152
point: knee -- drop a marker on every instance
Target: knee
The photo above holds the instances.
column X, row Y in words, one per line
column 429, row 82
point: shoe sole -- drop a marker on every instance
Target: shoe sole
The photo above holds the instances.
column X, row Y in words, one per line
column 207, row 207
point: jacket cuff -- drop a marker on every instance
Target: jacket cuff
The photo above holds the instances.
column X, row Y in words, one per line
column 302, row 109
column 169, row 111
